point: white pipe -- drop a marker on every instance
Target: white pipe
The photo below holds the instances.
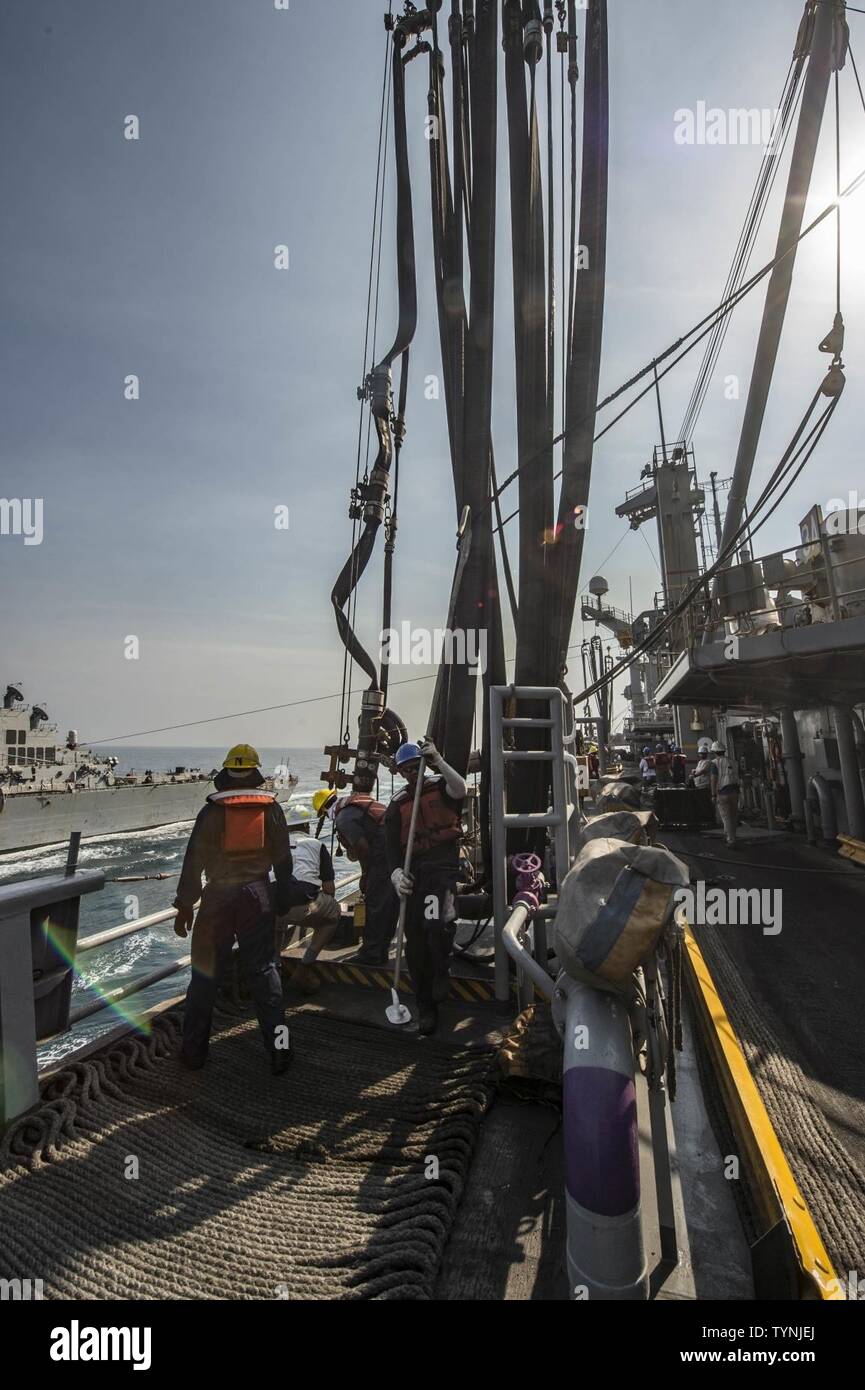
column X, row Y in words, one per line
column 605, row 1252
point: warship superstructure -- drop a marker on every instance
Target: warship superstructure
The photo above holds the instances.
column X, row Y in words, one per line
column 51, row 785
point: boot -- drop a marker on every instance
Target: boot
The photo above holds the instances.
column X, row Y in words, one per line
column 280, row 1061
column 368, row 955
column 305, row 978
column 428, row 1017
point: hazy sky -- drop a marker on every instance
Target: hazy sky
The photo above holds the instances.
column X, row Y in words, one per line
column 155, row 257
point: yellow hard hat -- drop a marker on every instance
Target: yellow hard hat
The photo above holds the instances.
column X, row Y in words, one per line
column 241, row 758
column 321, row 798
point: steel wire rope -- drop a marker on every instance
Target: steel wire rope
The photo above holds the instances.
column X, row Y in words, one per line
column 782, row 470
column 698, row 328
column 764, row 185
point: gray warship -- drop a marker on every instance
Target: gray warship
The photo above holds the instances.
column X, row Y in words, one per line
column 51, row 785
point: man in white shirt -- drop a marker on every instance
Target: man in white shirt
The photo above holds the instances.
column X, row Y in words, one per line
column 313, row 869
column 724, row 781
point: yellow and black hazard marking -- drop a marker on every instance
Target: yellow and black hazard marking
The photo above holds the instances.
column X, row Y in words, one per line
column 470, row 991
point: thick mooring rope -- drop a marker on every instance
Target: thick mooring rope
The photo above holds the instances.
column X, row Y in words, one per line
column 340, row 1179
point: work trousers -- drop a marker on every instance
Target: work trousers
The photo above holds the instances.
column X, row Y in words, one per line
column 320, row 916
column 430, row 927
column 228, row 914
column 382, row 908
column 728, row 812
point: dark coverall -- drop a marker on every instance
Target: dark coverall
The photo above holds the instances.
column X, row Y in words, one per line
column 237, row 904
column 382, row 904
column 430, row 916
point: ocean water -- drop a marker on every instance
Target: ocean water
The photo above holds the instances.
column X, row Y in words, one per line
column 144, row 852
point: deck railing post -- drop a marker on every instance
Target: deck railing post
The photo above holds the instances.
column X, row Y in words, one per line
column 38, row 928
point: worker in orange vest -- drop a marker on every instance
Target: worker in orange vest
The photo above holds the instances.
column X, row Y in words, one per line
column 239, row 835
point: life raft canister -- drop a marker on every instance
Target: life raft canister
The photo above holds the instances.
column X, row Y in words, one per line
column 243, row 828
column 437, row 824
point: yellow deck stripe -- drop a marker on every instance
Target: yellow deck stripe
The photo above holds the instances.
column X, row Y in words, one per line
column 852, row 849
column 751, row 1120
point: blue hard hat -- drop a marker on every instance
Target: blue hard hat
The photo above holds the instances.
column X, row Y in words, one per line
column 407, row 753
column 647, row 749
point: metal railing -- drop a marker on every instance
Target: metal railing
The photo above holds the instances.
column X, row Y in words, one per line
column 562, row 820
column 799, row 586
column 154, row 919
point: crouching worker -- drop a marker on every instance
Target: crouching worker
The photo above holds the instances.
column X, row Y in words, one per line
column 430, row 887
column 240, row 833
column 359, row 824
column 313, row 872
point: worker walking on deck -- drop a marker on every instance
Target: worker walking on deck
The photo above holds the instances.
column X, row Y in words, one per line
column 663, row 764
column 313, row 872
column 359, row 824
column 239, row 834
column 724, row 782
column 647, row 769
column 430, row 887
column 701, row 781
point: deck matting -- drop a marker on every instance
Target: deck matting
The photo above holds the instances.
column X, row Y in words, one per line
column 339, row 1180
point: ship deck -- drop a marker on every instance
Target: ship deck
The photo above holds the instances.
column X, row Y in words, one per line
column 322, row 1165
column 795, row 1001
column 94, row 1235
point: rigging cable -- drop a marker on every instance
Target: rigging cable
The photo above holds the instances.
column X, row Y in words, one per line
column 783, row 469
column 766, row 177
column 699, row 328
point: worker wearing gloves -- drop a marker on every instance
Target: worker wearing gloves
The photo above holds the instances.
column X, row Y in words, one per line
column 239, row 834
column 430, row 887
column 359, row 824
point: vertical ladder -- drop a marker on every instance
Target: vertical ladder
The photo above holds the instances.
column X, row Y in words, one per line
column 563, row 819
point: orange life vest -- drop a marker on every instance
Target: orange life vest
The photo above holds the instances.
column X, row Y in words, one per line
column 374, row 809
column 436, row 823
column 243, row 827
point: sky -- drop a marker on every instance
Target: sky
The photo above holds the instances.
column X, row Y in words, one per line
column 155, row 257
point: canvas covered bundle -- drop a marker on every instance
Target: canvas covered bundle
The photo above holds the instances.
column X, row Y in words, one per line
column 614, row 905
column 616, row 795
column 635, row 827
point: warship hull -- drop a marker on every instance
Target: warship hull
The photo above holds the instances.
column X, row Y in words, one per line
column 31, row 819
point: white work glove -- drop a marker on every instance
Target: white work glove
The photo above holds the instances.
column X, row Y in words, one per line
column 430, row 753
column 403, row 883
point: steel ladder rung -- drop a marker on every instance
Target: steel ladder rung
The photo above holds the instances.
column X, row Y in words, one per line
column 527, row 723
column 528, row 819
column 528, row 755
